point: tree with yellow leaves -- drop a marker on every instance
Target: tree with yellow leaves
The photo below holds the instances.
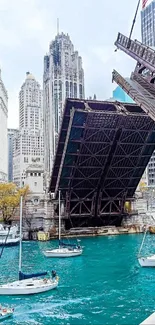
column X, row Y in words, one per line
column 10, row 199
column 142, row 186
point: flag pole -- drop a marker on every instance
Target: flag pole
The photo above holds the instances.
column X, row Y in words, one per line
column 133, row 23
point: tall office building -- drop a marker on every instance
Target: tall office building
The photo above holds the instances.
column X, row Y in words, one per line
column 3, row 132
column 148, row 23
column 12, row 133
column 28, row 142
column 148, row 38
column 63, row 78
column 120, row 95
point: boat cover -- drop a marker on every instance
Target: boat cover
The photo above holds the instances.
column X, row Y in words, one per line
column 61, row 243
column 23, row 276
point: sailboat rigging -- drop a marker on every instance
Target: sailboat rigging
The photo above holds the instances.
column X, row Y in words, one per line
column 64, row 249
column 4, row 242
column 148, row 261
column 28, row 283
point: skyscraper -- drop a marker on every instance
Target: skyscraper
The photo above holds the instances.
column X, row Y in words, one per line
column 63, row 78
column 148, row 38
column 120, row 95
column 3, row 132
column 28, row 142
column 148, row 24
column 11, row 135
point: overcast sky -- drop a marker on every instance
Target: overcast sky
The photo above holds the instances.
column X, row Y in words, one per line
column 28, row 26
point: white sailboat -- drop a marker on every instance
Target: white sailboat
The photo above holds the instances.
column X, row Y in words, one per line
column 9, row 236
column 28, row 283
column 147, row 261
column 64, row 250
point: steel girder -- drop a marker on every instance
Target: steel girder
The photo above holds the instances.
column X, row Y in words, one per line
column 141, row 85
column 136, row 89
column 143, row 54
column 104, row 147
column 102, row 152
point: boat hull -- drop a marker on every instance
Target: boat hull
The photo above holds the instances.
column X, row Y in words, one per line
column 5, row 230
column 4, row 317
column 147, row 261
column 5, row 313
column 62, row 252
column 28, row 287
column 10, row 242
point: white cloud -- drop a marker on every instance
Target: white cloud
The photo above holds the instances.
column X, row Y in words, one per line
column 28, row 26
column 35, row 24
column 8, row 38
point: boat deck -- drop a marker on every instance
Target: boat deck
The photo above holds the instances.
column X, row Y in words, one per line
column 150, row 320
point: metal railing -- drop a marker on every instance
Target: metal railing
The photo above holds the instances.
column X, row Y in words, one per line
column 138, row 51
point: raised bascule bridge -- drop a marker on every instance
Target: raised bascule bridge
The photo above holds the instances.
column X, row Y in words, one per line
column 104, row 147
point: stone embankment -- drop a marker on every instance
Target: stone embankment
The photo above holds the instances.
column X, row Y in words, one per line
column 142, row 220
column 100, row 231
column 87, row 232
column 130, row 225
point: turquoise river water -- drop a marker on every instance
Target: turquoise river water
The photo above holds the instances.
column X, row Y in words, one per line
column 103, row 286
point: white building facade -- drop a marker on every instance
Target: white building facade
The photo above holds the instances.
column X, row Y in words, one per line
column 12, row 133
column 29, row 141
column 34, row 178
column 3, row 132
column 63, row 78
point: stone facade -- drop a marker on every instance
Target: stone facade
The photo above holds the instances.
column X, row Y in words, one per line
column 63, row 78
column 34, row 178
column 28, row 142
column 38, row 214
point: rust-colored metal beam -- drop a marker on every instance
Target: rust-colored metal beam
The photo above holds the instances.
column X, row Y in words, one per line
column 138, row 51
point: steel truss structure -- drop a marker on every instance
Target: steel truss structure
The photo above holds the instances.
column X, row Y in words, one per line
column 102, row 152
column 141, row 85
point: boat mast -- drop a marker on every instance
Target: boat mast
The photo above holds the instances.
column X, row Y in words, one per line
column 59, row 221
column 142, row 242
column 20, row 247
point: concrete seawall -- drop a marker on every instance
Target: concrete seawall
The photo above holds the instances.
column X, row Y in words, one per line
column 102, row 231
column 98, row 231
column 86, row 232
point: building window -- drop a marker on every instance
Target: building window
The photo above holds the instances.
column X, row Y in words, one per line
column 35, row 183
column 36, row 201
column 26, row 159
column 75, row 90
column 31, row 174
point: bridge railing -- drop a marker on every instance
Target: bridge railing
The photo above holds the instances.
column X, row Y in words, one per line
column 138, row 51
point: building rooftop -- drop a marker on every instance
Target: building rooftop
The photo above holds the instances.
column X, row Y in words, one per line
column 29, row 76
